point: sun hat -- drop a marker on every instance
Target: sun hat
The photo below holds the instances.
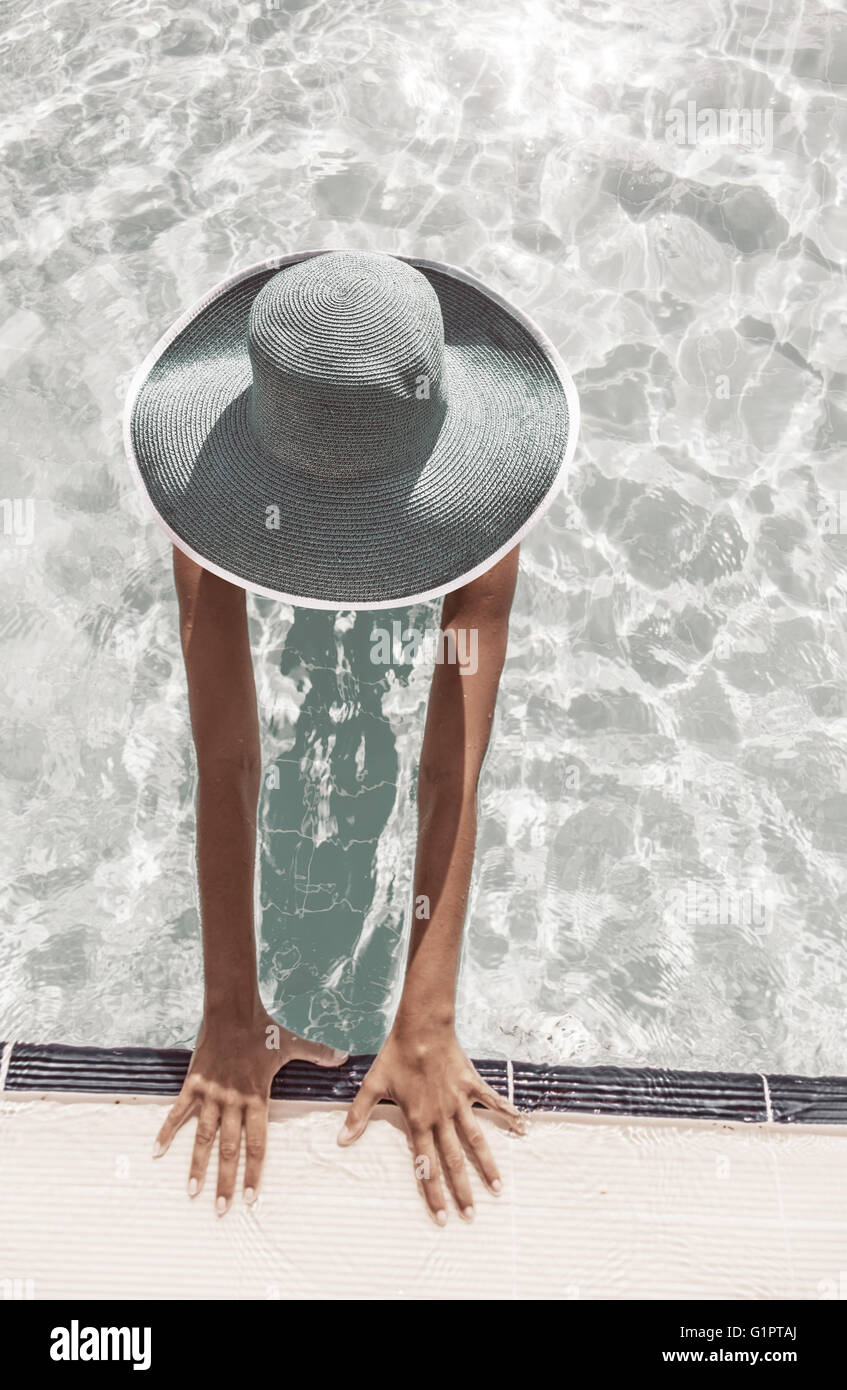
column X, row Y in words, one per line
column 350, row 429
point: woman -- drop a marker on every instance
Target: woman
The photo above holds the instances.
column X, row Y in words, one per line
column 348, row 430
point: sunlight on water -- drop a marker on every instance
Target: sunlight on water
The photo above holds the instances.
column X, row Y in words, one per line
column 663, row 814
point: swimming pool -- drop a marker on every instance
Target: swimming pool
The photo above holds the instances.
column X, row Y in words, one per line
column 660, row 872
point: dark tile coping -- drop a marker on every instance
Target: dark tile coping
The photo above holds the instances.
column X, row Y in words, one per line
column 744, row 1096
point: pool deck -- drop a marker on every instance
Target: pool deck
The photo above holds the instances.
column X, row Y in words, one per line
column 596, row 1204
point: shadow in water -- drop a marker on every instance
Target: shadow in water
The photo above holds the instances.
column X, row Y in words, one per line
column 325, row 805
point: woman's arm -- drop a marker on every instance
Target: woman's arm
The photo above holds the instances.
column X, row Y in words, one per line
column 239, row 1046
column 225, row 726
column 422, row 1067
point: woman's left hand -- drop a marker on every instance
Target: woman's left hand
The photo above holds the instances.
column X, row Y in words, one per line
column 435, row 1086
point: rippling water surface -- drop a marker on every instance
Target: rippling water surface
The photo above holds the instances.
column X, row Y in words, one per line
column 661, row 867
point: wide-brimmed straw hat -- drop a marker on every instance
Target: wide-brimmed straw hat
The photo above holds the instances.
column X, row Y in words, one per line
column 349, row 429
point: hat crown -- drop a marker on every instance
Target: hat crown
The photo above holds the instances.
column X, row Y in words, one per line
column 347, row 352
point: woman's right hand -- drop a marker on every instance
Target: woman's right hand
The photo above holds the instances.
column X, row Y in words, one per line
column 227, row 1087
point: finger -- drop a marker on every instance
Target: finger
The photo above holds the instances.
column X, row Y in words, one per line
column 370, row 1094
column 492, row 1100
column 319, row 1054
column 182, row 1110
column 454, row 1168
column 255, row 1141
column 476, row 1145
column 207, row 1128
column 229, row 1148
column 428, row 1173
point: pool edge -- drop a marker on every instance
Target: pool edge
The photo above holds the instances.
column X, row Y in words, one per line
column 746, row 1097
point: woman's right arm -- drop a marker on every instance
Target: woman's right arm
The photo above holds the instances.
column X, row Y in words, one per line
column 225, row 725
column 239, row 1046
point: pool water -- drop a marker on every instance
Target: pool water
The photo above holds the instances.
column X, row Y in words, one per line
column 663, row 815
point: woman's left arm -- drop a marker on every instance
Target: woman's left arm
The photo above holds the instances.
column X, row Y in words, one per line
column 422, row 1066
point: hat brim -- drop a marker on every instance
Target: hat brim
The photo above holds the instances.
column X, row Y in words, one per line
column 508, row 435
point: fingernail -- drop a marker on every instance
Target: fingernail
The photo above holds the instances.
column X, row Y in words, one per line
column 193, row 1187
column 249, row 1195
column 221, row 1205
column 345, row 1134
column 338, row 1056
column 441, row 1218
column 496, row 1186
column 158, row 1149
column 468, row 1213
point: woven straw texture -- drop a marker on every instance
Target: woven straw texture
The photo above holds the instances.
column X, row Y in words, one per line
column 399, row 425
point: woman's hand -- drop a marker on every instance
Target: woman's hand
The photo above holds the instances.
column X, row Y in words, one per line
column 435, row 1085
column 228, row 1086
